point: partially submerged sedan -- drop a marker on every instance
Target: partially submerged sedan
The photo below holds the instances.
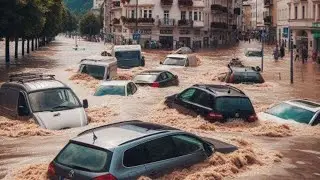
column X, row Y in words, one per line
column 297, row 111
column 128, row 150
column 156, row 78
column 179, row 61
column 120, row 88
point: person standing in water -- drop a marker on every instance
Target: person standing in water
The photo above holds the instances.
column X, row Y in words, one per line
column 282, row 51
column 276, row 53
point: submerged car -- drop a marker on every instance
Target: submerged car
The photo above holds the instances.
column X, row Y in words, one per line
column 214, row 102
column 128, row 56
column 183, row 50
column 120, row 88
column 246, row 75
column 253, row 52
column 130, row 149
column 179, row 61
column 51, row 103
column 156, row 78
column 299, row 111
column 99, row 67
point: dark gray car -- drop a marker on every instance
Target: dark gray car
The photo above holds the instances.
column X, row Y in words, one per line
column 128, row 150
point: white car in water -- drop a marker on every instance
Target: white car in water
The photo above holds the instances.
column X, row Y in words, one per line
column 178, row 61
column 293, row 111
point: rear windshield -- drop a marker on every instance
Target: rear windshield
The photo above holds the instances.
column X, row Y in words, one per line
column 110, row 90
column 174, row 61
column 289, row 112
column 84, row 158
column 127, row 55
column 233, row 104
column 253, row 77
column 145, row 78
column 94, row 71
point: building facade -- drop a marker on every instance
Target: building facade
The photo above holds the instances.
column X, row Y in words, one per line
column 270, row 20
column 247, row 16
column 257, row 7
column 96, row 8
column 173, row 23
column 283, row 22
column 304, row 20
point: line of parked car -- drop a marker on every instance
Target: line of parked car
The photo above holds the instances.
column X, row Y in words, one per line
column 130, row 149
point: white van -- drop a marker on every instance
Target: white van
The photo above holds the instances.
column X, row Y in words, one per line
column 128, row 56
column 99, row 67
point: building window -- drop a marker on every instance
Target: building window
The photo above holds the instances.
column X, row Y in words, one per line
column 195, row 16
column 145, row 13
column 303, row 12
column 150, row 13
column 140, row 13
column 132, row 14
column 183, row 15
column 295, row 12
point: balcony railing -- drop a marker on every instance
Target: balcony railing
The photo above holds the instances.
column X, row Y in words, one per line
column 116, row 21
column 166, row 2
column 185, row 3
column 141, row 21
column 185, row 23
column 217, row 8
column 268, row 3
column 166, row 22
column 219, row 25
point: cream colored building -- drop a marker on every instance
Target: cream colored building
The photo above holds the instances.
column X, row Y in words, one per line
column 304, row 20
column 193, row 23
column 283, row 22
column 257, row 8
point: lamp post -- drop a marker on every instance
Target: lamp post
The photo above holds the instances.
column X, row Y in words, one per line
column 136, row 16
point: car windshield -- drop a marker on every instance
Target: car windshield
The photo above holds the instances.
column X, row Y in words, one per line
column 174, row 61
column 233, row 104
column 84, row 158
column 147, row 78
column 53, row 100
column 290, row 112
column 94, row 71
column 110, row 90
column 252, row 77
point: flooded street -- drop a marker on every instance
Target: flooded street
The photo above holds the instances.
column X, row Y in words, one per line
column 279, row 151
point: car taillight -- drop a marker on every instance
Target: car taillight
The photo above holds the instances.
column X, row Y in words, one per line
column 105, row 177
column 215, row 116
column 51, row 170
column 155, row 84
column 253, row 118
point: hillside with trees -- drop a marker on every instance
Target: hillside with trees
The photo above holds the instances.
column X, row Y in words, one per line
column 79, row 7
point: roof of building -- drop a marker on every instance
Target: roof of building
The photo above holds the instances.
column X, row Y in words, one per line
column 117, row 134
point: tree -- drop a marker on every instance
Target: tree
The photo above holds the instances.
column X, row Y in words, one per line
column 90, row 24
column 70, row 22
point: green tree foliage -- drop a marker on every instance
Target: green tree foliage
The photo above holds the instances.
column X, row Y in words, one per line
column 90, row 24
column 70, row 22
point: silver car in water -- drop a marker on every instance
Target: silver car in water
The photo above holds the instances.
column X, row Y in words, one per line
column 52, row 104
column 128, row 150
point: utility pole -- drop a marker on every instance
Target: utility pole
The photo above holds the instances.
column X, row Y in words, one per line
column 256, row 14
column 136, row 16
column 291, row 55
column 262, row 51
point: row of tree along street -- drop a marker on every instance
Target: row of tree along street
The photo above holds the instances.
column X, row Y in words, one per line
column 35, row 21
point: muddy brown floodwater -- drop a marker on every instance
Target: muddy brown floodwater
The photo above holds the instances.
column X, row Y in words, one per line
column 267, row 150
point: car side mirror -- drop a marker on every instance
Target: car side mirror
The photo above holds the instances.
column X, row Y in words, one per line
column 161, row 62
column 209, row 149
column 85, row 103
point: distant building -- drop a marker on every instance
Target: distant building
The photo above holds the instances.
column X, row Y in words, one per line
column 247, row 16
column 257, row 9
column 283, row 22
column 96, row 8
column 193, row 23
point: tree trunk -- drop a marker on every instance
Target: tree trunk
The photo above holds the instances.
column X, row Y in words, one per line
column 7, row 50
column 36, row 43
column 22, row 46
column 16, row 48
column 28, row 46
column 44, row 40
column 32, row 44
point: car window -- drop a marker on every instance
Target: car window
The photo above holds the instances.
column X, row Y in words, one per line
column 164, row 76
column 169, row 75
column 12, row 99
column 110, row 90
column 233, row 104
column 129, row 89
column 316, row 121
column 188, row 94
column 186, row 144
column 161, row 149
column 290, row 112
column 148, row 78
column 86, row 158
column 133, row 87
column 204, row 99
column 135, row 156
column 94, row 71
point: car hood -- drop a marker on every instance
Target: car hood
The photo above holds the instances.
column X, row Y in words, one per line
column 62, row 119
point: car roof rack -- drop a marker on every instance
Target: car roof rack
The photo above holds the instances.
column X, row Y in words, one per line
column 236, row 89
column 28, row 77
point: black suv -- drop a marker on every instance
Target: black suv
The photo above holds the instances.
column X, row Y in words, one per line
column 214, row 102
column 238, row 74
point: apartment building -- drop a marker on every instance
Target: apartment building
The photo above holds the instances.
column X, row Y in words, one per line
column 283, row 22
column 193, row 23
column 247, row 16
column 257, row 7
column 270, row 20
column 304, row 20
column 96, row 8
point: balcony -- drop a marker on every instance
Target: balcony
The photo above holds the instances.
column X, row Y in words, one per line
column 219, row 25
column 218, row 9
column 166, row 2
column 198, row 24
column 185, row 23
column 115, row 21
column 268, row 3
column 267, row 20
column 185, row 3
column 166, row 22
column 141, row 21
